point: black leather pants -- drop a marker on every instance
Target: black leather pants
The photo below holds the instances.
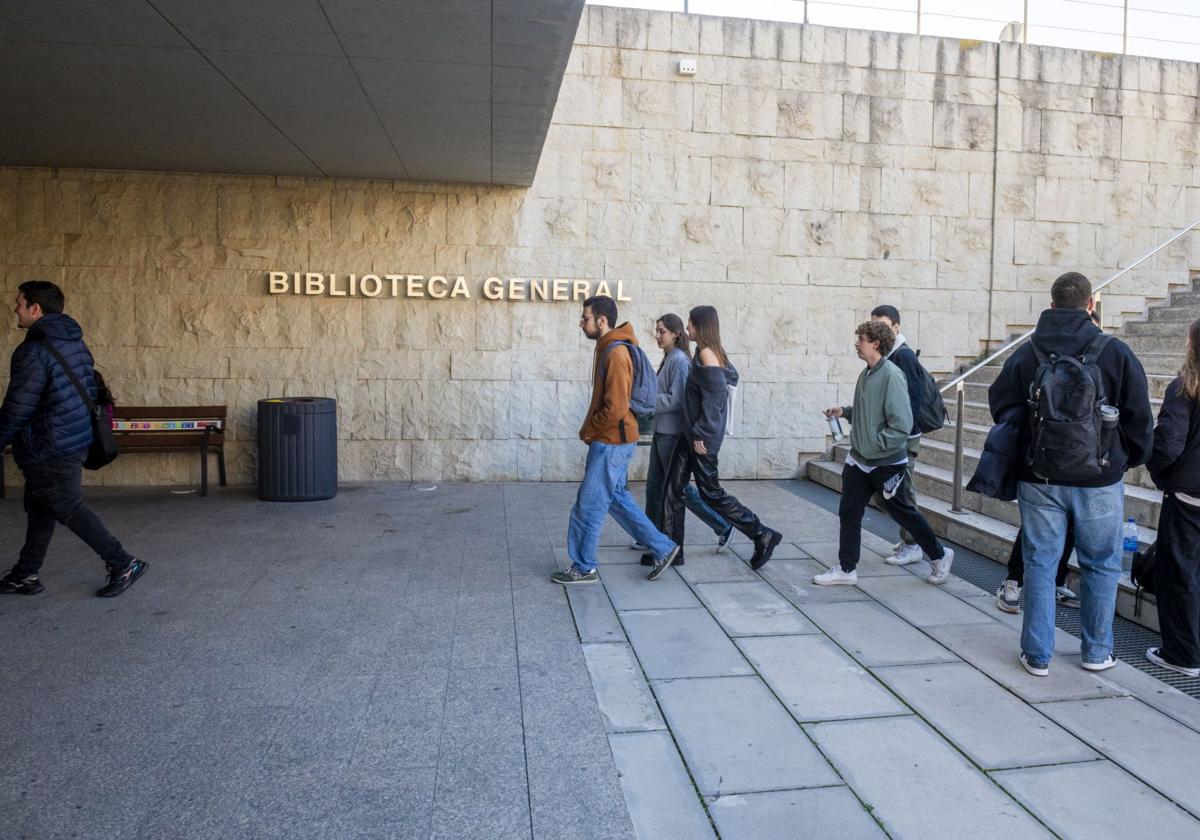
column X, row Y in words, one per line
column 686, row 464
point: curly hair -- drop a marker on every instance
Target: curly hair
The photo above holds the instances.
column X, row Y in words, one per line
column 877, row 331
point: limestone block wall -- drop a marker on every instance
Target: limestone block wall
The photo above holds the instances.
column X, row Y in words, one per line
column 803, row 175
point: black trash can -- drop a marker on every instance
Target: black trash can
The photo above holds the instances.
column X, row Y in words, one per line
column 297, row 449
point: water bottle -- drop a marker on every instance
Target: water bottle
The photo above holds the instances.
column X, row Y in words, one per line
column 1129, row 545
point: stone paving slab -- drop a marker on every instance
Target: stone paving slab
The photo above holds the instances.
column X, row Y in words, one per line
column 1097, row 799
column 1064, row 643
column 988, row 723
column 736, row 738
column 629, row 589
column 993, row 649
column 625, row 700
column 1123, row 728
column 918, row 786
column 815, row 680
column 682, row 643
column 874, row 635
column 595, row 618
column 605, row 556
column 921, row 604
column 793, row 580
column 813, row 814
column 870, row 563
column 1170, row 701
column 784, row 551
column 752, row 609
column 662, row 801
column 725, row 567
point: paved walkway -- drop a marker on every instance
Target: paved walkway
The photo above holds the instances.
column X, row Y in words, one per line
column 395, row 663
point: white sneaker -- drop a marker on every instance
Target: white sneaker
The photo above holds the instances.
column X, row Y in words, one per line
column 1036, row 670
column 1155, row 656
column 637, row 546
column 941, row 568
column 1008, row 597
column 904, row 555
column 836, row 576
column 1065, row 596
column 1108, row 662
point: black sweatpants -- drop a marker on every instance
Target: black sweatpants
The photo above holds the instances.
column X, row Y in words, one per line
column 1177, row 582
column 1016, row 559
column 857, row 488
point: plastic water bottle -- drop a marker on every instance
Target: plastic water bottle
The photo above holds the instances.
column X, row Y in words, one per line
column 1129, row 544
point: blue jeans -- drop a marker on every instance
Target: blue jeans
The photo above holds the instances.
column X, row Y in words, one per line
column 601, row 492
column 1045, row 512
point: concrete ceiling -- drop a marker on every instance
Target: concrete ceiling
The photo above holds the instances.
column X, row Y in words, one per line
column 430, row 90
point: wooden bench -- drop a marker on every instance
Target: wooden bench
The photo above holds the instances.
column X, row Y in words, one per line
column 180, row 428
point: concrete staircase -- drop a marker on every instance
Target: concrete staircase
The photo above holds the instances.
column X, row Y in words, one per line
column 988, row 526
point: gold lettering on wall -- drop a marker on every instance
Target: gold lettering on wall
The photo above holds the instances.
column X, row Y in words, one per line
column 439, row 287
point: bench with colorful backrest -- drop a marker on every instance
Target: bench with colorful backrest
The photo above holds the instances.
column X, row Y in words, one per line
column 176, row 428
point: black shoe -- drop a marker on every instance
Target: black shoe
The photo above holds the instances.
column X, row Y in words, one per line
column 723, row 540
column 648, row 560
column 10, row 584
column 121, row 579
column 763, row 548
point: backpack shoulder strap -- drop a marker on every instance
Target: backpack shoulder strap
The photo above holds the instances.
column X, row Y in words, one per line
column 87, row 398
column 1042, row 358
column 609, row 349
column 1095, row 347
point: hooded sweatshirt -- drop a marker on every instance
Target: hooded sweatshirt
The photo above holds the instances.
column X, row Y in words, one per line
column 609, row 419
column 43, row 416
column 706, row 404
column 1067, row 332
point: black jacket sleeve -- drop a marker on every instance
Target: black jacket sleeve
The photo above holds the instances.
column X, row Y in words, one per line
column 1006, row 395
column 1137, row 417
column 1171, row 433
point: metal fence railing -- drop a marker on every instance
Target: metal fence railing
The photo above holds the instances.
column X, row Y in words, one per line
column 1153, row 28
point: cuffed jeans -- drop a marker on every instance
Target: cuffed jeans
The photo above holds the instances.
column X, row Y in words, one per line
column 1046, row 510
column 660, row 460
column 53, row 494
column 604, row 491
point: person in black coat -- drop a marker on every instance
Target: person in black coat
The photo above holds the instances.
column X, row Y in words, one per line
column 1175, row 468
column 48, row 423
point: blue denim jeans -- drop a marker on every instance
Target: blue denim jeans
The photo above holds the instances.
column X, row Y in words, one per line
column 1096, row 511
column 601, row 492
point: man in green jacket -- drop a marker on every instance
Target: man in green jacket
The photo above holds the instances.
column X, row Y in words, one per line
column 880, row 421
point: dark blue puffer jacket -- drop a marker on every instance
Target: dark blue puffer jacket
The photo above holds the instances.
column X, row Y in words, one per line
column 43, row 416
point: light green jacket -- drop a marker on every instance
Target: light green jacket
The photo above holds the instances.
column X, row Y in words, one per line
column 881, row 416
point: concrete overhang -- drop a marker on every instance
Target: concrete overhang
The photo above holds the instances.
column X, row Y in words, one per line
column 429, row 90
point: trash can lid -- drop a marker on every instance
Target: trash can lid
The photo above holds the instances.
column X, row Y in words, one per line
column 299, row 405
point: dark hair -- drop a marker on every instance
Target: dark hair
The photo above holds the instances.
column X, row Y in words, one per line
column 1190, row 372
column 103, row 395
column 876, row 331
column 708, row 331
column 673, row 324
column 887, row 311
column 1071, row 291
column 45, row 294
column 602, row 305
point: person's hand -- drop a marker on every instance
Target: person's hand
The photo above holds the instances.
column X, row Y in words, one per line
column 699, row 447
column 836, row 411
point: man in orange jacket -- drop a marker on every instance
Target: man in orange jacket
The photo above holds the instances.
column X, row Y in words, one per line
column 610, row 432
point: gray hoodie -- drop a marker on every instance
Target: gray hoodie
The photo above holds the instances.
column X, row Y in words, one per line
column 672, row 378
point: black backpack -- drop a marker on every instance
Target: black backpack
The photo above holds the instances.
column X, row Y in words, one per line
column 931, row 413
column 1142, row 574
column 1065, row 397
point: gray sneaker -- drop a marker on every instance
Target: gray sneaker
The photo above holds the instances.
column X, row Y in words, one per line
column 575, row 575
column 1008, row 597
column 1065, row 596
column 665, row 563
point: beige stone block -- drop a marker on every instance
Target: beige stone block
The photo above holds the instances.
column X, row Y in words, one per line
column 961, row 241
column 1069, row 200
column 739, row 458
column 953, row 57
column 822, row 78
column 764, row 229
column 808, row 186
column 789, row 43
column 706, row 108
column 747, row 183
column 606, row 175
column 139, row 208
column 812, row 233
column 601, row 25
column 1045, row 243
column 712, row 35
column 980, row 196
column 418, row 220
column 749, row 110
column 656, row 104
column 685, row 33
column 1087, row 135
column 809, row 115
column 563, row 460
column 780, row 457
column 739, row 37
column 906, row 192
column 963, row 126
column 900, row 122
column 633, row 26
column 481, row 364
column 856, row 119
column 277, row 213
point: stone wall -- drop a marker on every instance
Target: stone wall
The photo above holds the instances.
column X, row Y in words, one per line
column 803, row 175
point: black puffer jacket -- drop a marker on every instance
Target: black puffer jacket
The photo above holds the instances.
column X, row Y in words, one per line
column 706, row 404
column 1067, row 332
column 43, row 416
column 1175, row 464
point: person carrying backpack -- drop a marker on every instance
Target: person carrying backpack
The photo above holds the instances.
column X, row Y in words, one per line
column 1175, row 468
column 623, row 381
column 1084, row 418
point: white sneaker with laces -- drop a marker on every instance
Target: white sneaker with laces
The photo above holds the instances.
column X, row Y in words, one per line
column 1108, row 662
column 1036, row 670
column 1155, row 655
column 1008, row 597
column 941, row 567
column 904, row 555
column 1065, row 596
column 836, row 576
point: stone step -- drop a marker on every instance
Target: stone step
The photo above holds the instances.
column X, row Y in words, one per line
column 993, row 538
column 1160, row 364
column 1158, row 329
column 1175, row 312
column 974, row 434
column 1171, row 346
column 1142, row 503
column 1191, row 298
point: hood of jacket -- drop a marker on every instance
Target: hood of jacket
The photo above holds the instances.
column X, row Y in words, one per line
column 1064, row 331
column 57, row 327
column 713, row 378
column 621, row 332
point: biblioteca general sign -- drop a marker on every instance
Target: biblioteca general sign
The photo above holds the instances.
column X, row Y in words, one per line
column 438, row 287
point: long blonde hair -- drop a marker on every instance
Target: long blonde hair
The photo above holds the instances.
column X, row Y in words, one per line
column 708, row 332
column 1190, row 372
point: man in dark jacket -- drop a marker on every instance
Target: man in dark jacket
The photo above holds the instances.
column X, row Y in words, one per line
column 49, row 426
column 1096, row 504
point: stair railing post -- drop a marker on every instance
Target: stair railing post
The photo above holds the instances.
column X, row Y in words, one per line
column 1098, row 307
column 960, row 399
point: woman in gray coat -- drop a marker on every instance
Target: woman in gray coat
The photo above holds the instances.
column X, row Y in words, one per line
column 672, row 339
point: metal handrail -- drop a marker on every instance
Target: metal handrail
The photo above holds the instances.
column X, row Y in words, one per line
column 957, row 383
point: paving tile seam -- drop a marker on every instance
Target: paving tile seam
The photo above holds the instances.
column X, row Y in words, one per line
column 1006, row 768
column 520, row 681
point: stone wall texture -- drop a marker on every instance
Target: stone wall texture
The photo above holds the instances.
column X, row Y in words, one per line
column 803, row 175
